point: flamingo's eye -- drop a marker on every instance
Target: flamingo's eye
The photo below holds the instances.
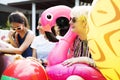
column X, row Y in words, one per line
column 49, row 17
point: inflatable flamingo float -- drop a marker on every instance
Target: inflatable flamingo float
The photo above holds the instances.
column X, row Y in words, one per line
column 54, row 13
column 55, row 70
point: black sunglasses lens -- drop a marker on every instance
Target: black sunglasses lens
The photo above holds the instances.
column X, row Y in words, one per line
column 18, row 28
column 73, row 20
column 14, row 29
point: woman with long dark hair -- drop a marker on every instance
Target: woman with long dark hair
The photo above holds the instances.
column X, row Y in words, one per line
column 20, row 36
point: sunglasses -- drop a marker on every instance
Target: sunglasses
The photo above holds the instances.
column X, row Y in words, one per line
column 80, row 19
column 18, row 28
column 73, row 19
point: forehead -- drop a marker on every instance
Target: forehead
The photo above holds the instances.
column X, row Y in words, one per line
column 15, row 24
column 39, row 21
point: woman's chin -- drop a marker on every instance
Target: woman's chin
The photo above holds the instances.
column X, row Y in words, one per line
column 73, row 29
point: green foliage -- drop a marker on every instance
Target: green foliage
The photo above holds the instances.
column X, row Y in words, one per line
column 7, row 78
column 6, row 26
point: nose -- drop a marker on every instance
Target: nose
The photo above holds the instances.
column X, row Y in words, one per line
column 38, row 27
column 70, row 22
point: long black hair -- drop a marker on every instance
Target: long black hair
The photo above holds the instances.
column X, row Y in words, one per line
column 51, row 36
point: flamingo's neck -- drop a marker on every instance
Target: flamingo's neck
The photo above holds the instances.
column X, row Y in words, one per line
column 60, row 51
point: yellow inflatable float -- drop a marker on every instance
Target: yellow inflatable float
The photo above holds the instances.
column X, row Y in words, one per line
column 104, row 37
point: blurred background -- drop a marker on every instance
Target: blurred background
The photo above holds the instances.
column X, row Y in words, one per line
column 32, row 9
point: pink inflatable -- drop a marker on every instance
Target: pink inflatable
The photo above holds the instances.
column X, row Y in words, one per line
column 56, row 12
column 55, row 70
column 50, row 15
column 25, row 69
column 60, row 72
column 22, row 69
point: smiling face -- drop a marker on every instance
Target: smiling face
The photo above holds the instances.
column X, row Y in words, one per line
column 39, row 27
column 18, row 27
column 78, row 24
column 79, row 21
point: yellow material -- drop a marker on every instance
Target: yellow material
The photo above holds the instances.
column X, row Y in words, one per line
column 104, row 37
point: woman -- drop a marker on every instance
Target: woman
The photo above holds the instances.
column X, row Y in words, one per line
column 20, row 36
column 80, row 51
column 42, row 45
column 80, row 48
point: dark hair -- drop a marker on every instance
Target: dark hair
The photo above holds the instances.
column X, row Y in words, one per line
column 18, row 17
column 51, row 36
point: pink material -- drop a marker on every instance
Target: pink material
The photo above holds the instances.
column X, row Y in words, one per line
column 55, row 70
column 63, row 45
column 61, row 11
column 26, row 69
column 60, row 51
column 60, row 72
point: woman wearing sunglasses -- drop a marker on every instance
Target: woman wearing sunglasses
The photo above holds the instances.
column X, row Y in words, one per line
column 20, row 36
column 80, row 51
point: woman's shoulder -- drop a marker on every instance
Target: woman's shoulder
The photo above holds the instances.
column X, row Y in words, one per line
column 39, row 37
column 31, row 32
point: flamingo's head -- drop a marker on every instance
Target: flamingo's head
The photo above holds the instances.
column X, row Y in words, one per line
column 50, row 15
column 56, row 15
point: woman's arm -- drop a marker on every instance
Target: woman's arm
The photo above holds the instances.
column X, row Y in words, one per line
column 12, row 38
column 22, row 48
column 29, row 38
column 85, row 60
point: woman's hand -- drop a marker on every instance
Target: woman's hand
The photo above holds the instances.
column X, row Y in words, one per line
column 71, row 61
column 11, row 34
column 12, row 39
column 86, row 60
